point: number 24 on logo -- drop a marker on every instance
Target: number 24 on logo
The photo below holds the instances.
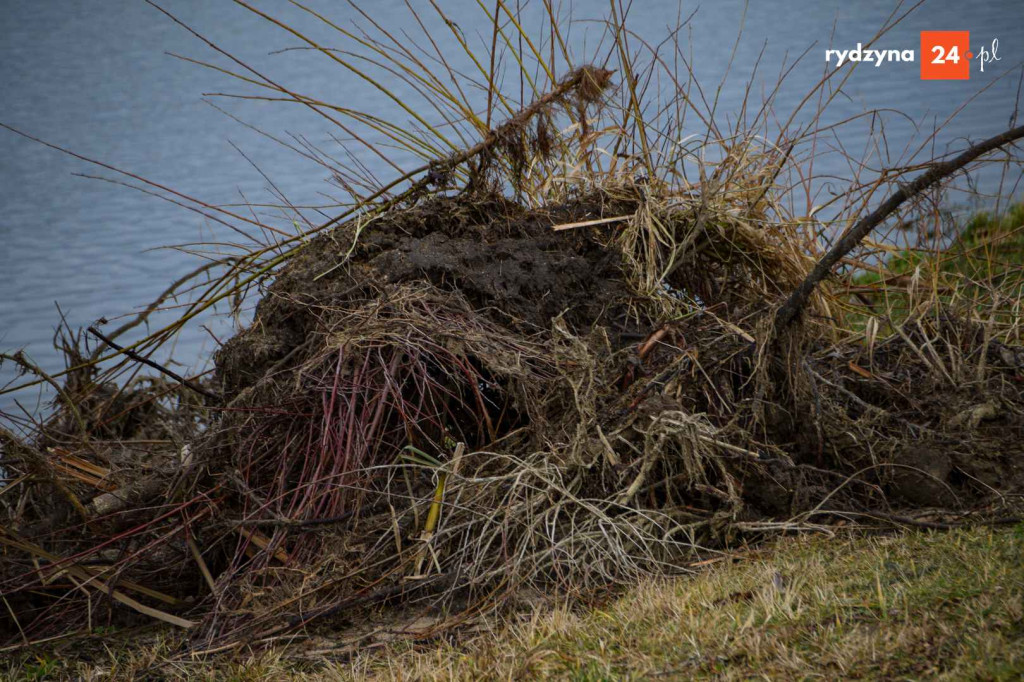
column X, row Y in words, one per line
column 945, row 55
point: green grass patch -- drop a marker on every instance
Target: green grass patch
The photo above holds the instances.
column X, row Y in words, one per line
column 980, row 270
column 987, row 245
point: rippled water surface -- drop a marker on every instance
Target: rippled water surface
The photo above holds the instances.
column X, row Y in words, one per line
column 95, row 77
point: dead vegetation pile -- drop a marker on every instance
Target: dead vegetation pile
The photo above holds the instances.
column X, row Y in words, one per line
column 463, row 401
column 455, row 391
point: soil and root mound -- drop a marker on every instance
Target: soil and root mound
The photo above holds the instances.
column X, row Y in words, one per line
column 458, row 402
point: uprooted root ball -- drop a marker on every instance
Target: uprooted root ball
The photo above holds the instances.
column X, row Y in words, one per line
column 455, row 400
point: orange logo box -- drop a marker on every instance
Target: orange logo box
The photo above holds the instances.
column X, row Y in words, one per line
column 945, row 55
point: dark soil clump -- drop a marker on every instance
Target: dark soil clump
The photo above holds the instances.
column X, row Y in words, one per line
column 506, row 261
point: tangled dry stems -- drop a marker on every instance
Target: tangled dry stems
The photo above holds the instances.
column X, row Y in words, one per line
column 587, row 461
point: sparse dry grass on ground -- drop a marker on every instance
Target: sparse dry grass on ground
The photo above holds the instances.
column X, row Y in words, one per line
column 945, row 605
column 913, row 606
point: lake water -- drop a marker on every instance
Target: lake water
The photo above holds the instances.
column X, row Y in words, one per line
column 93, row 76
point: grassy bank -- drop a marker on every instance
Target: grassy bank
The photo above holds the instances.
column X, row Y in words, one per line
column 946, row 605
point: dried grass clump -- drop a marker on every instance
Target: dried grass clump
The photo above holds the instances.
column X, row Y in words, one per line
column 447, row 448
column 716, row 245
column 412, row 370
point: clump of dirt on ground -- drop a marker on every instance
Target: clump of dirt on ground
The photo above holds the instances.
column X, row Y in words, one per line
column 452, row 402
column 507, row 263
column 792, row 428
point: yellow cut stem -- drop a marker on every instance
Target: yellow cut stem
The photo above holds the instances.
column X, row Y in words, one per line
column 435, row 507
